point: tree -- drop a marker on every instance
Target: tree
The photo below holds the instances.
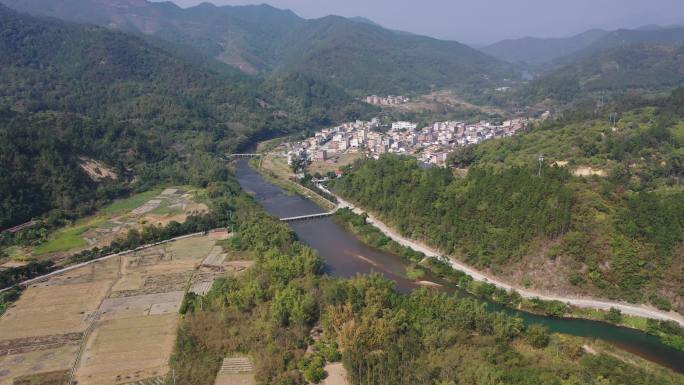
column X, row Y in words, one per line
column 537, row 336
column 614, row 315
column 462, row 157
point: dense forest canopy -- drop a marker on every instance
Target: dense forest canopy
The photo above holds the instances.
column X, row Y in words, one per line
column 637, row 67
column 70, row 91
column 488, row 217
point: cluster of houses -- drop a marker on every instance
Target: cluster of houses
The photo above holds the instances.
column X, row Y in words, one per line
column 389, row 100
column 430, row 144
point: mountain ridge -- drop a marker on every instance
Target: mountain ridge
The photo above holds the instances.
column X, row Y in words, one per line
column 263, row 40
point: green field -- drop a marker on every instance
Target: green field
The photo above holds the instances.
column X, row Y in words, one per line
column 125, row 205
column 66, row 239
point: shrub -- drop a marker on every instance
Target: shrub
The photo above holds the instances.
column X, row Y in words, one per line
column 537, row 336
column 614, row 316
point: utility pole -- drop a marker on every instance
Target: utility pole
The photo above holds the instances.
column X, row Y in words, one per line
column 541, row 162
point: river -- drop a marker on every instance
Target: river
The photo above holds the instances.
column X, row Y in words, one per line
column 346, row 257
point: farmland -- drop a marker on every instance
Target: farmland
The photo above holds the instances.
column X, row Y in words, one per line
column 111, row 322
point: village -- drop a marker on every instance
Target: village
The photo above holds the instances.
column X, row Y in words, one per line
column 431, row 144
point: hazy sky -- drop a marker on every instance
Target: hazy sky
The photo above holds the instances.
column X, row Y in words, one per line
column 484, row 21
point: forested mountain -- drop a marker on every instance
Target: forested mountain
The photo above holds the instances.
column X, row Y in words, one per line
column 355, row 55
column 537, row 51
column 634, row 67
column 69, row 91
column 603, row 217
column 626, row 37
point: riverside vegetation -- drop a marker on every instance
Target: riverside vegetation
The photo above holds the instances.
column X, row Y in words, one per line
column 381, row 336
column 670, row 333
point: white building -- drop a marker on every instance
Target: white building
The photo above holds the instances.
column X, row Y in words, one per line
column 400, row 126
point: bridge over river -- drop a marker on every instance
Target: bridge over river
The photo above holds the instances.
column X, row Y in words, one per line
column 311, row 216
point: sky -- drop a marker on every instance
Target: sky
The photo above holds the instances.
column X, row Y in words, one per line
column 486, row 21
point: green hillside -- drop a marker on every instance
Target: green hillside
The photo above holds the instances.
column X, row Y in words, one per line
column 531, row 51
column 616, row 234
column 71, row 91
column 362, row 57
column 355, row 55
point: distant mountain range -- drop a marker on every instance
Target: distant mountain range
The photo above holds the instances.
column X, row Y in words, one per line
column 355, row 54
column 634, row 67
column 537, row 51
column 549, row 51
column 650, row 58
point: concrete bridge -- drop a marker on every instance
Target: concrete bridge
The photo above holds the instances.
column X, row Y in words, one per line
column 311, row 216
column 243, row 155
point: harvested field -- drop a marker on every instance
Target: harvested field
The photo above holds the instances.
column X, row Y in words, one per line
column 215, row 258
column 119, row 316
column 335, row 162
column 26, row 365
column 119, row 218
column 31, row 344
column 191, row 248
column 53, row 310
column 141, row 305
column 128, row 349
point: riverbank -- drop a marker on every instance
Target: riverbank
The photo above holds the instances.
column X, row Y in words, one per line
column 276, row 171
column 589, row 303
column 357, row 224
column 346, row 256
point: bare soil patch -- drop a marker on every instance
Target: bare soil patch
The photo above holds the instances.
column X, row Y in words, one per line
column 337, row 374
column 588, row 171
column 97, row 170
